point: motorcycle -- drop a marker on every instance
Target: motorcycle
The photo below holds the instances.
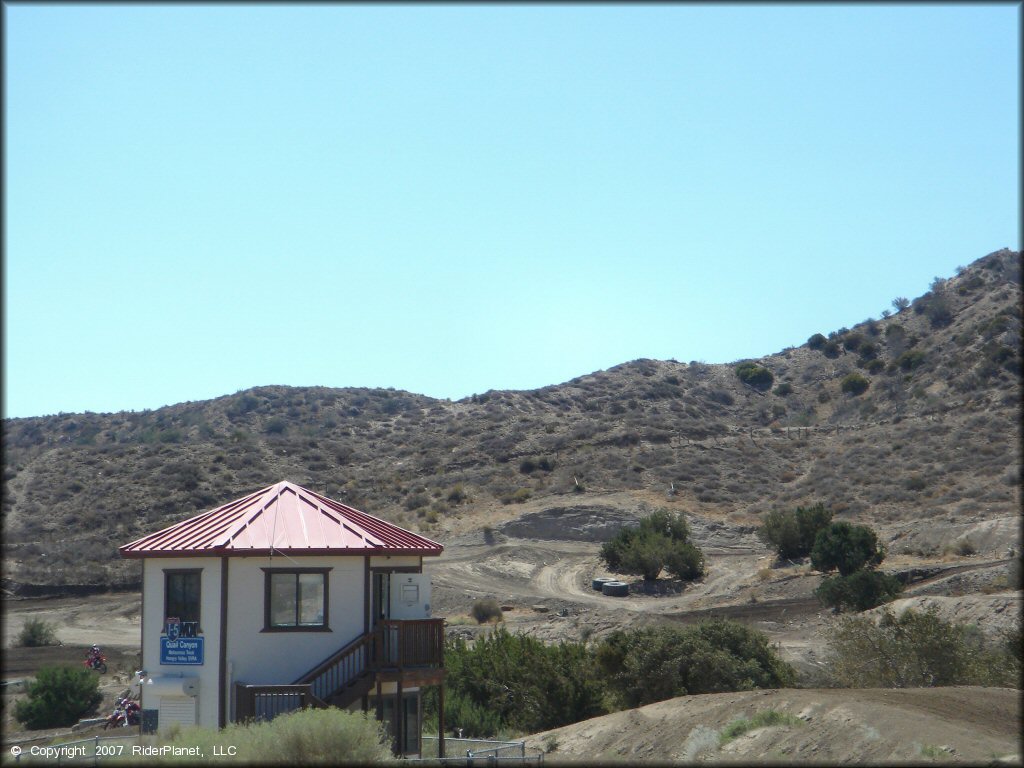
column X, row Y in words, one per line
column 96, row 660
column 126, row 712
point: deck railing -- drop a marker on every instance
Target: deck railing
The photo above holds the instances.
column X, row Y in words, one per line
column 340, row 669
column 394, row 644
column 410, row 643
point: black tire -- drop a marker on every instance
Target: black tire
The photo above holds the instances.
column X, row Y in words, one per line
column 600, row 581
column 101, row 668
column 615, row 588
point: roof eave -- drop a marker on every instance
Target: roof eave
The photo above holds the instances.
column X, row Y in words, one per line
column 139, row 554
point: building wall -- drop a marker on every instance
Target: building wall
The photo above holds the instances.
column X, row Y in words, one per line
column 277, row 658
column 253, row 656
column 395, row 561
column 153, row 621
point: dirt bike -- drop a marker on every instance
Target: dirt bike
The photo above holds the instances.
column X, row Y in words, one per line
column 96, row 660
column 126, row 712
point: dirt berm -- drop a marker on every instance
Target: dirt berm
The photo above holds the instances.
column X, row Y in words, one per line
column 881, row 726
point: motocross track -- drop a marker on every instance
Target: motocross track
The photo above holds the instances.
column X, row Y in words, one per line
column 538, row 563
column 544, row 583
column 916, row 725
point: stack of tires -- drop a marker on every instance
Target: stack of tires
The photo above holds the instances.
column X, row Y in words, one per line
column 610, row 587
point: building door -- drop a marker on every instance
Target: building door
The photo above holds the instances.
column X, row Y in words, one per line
column 381, row 607
column 409, row 740
column 381, row 597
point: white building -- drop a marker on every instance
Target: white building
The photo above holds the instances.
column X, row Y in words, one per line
column 283, row 599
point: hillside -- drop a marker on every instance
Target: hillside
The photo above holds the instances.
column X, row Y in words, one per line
column 933, row 439
column 979, row 726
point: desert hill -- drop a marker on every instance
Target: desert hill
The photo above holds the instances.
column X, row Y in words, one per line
column 978, row 726
column 899, row 421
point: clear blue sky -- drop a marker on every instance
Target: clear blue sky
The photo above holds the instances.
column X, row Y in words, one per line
column 450, row 199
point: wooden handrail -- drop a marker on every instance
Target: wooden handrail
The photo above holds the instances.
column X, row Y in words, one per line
column 347, row 650
column 340, row 669
column 393, row 643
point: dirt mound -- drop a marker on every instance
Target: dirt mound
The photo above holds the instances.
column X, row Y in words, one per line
column 585, row 522
column 992, row 614
column 963, row 724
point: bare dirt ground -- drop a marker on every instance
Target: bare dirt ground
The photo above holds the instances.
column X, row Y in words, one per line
column 546, row 581
column 539, row 561
column 972, row 725
column 110, row 621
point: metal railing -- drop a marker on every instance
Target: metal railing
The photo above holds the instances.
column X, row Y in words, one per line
column 92, row 751
column 265, row 702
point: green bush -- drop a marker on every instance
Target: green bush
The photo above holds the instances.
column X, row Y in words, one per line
column 831, row 349
column 517, row 496
column 762, row 719
column 684, row 561
column 868, row 351
column 852, row 341
column 458, row 494
column 486, row 610
column 755, row 375
column 939, row 312
column 306, row 737
column 36, row 633
column 854, row 384
column 847, row 548
column 817, row 341
column 792, row 532
column 660, row 540
column 514, row 682
column 275, row 426
column 859, row 591
column 875, row 366
column 784, row 389
column 917, row 649
column 655, row 663
column 58, row 697
column 910, row 359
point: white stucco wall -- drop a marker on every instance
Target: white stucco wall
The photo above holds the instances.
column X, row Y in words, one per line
column 152, row 624
column 276, row 658
column 254, row 656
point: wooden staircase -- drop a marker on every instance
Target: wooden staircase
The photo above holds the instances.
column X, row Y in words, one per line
column 411, row 650
column 344, row 676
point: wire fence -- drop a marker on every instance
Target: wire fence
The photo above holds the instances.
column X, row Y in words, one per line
column 479, row 752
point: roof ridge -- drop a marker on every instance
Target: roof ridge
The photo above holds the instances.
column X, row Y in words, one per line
column 267, row 520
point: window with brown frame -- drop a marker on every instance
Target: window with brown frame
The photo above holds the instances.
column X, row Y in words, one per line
column 182, row 597
column 295, row 600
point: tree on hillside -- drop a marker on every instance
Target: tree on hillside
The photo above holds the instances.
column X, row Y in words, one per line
column 792, row 532
column 853, row 550
column 661, row 540
column 847, row 548
column 859, row 591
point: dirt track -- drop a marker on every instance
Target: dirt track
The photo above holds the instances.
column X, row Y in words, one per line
column 964, row 724
column 546, row 583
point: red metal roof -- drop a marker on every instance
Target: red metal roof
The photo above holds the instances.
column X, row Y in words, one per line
column 282, row 518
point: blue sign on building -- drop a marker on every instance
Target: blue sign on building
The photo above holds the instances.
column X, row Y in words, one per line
column 184, row 650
